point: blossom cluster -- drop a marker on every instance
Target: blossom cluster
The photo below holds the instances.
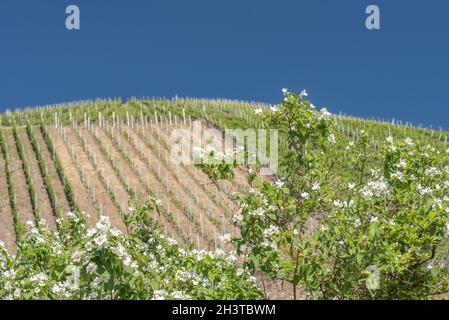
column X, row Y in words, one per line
column 343, row 210
column 105, row 263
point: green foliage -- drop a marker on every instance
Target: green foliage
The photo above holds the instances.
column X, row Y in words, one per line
column 102, row 263
column 355, row 214
column 216, row 164
column 377, row 237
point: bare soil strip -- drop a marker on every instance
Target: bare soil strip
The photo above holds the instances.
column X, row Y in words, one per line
column 133, row 182
column 83, row 201
column 108, row 172
column 212, row 220
column 43, row 202
column 7, row 230
column 113, row 178
column 23, row 200
column 58, row 187
column 156, row 186
column 95, row 187
column 188, row 175
column 209, row 197
column 198, row 175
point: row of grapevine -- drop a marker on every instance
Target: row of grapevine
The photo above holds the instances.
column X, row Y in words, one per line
column 44, row 173
column 117, row 144
column 194, row 174
column 19, row 228
column 87, row 149
column 189, row 209
column 126, row 186
column 174, row 176
column 59, row 169
column 26, row 170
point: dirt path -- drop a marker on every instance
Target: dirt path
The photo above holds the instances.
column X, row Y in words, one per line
column 7, row 230
column 23, row 200
column 61, row 199
column 43, row 202
column 82, row 198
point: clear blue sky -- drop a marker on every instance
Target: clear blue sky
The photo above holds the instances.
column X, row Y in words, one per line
column 243, row 49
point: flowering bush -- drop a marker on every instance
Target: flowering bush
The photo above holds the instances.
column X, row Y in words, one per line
column 216, row 164
column 381, row 235
column 103, row 263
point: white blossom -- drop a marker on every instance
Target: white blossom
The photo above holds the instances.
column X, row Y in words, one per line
column 91, row 267
column 432, row 172
column 398, row 175
column 324, row 114
column 279, row 183
column 226, row 238
column 409, row 142
column 423, row 190
column 402, row 164
column 374, row 219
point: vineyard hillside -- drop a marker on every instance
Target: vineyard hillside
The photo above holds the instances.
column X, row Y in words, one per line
column 105, row 157
column 97, row 155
